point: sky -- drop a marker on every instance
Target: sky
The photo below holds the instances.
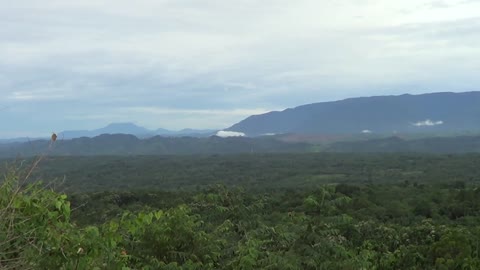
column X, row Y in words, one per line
column 208, row 64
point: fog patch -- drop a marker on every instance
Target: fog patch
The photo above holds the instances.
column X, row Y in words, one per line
column 225, row 134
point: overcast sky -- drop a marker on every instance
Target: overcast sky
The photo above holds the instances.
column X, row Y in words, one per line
column 68, row 64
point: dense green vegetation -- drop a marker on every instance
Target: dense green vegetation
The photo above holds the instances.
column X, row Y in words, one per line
column 288, row 211
column 452, row 145
column 124, row 145
column 129, row 145
column 254, row 171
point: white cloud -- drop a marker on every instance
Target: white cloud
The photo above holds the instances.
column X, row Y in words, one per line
column 366, row 131
column 233, row 112
column 428, row 123
column 35, row 95
column 21, row 96
column 225, row 134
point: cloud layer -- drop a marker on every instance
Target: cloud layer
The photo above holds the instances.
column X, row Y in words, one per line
column 208, row 64
column 428, row 123
column 225, row 134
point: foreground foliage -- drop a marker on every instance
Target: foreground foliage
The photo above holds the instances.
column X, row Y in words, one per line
column 384, row 225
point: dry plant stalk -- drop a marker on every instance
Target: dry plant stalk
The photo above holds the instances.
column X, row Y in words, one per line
column 13, row 186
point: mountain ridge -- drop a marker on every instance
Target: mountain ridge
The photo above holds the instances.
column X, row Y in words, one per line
column 126, row 144
column 433, row 112
column 127, row 128
column 129, row 145
column 133, row 129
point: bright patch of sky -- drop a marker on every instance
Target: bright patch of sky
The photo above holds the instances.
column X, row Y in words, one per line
column 208, row 64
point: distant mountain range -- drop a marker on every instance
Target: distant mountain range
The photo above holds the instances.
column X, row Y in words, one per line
column 365, row 117
column 436, row 113
column 121, row 128
column 132, row 129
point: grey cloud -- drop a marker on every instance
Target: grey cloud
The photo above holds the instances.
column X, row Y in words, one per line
column 92, row 58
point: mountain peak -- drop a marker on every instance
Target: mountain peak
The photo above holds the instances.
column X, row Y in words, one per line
column 126, row 128
column 133, row 129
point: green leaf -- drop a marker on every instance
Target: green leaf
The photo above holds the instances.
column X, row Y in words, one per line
column 58, row 205
column 158, row 214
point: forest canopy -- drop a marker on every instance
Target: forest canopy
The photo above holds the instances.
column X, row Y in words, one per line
column 390, row 216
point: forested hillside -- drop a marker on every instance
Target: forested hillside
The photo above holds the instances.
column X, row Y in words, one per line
column 295, row 211
column 457, row 144
column 435, row 112
column 122, row 144
column 129, row 145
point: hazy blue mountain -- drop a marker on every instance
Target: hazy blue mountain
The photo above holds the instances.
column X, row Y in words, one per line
column 132, row 129
column 114, row 128
column 123, row 128
column 162, row 131
column 18, row 140
column 427, row 113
